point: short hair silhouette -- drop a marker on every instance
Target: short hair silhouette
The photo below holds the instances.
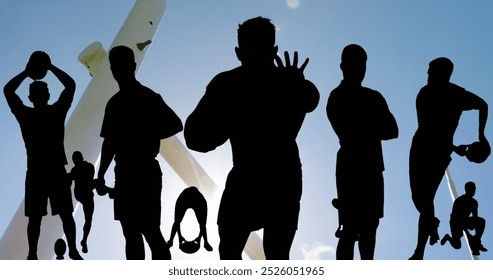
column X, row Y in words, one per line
column 256, row 42
column 257, row 31
column 441, row 68
column 38, row 91
column 353, row 52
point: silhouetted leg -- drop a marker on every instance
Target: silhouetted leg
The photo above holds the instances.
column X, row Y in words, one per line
column 33, row 231
column 425, row 226
column 203, row 233
column 88, row 208
column 134, row 242
column 232, row 242
column 345, row 246
column 457, row 231
column 159, row 247
column 367, row 239
column 68, row 225
column 174, row 230
column 277, row 242
column 180, row 211
column 480, row 224
column 425, row 173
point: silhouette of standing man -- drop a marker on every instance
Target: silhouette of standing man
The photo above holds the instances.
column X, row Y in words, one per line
column 259, row 108
column 82, row 174
column 464, row 217
column 135, row 120
column 361, row 119
column 439, row 106
column 43, row 129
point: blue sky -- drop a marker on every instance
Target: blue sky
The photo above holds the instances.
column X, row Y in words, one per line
column 196, row 41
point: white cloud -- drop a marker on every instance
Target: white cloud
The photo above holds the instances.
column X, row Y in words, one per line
column 316, row 250
column 293, row 4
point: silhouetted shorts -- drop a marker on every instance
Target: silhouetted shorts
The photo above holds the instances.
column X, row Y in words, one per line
column 47, row 184
column 138, row 188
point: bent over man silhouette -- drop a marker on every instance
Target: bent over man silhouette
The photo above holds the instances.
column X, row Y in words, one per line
column 361, row 119
column 43, row 131
column 135, row 120
column 259, row 108
column 439, row 106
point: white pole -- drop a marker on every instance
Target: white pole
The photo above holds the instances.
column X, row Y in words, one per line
column 453, row 193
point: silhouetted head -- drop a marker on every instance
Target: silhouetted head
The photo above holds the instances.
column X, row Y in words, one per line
column 39, row 94
column 440, row 70
column 470, row 188
column 122, row 64
column 256, row 42
column 353, row 63
column 77, row 157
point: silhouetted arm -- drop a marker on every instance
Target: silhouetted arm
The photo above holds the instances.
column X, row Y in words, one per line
column 483, row 117
column 391, row 130
column 107, row 155
column 68, row 83
column 388, row 124
column 13, row 100
column 205, row 128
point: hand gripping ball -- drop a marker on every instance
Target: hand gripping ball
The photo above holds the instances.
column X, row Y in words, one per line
column 478, row 151
column 38, row 64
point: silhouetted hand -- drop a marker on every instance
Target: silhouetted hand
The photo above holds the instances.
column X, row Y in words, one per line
column 461, row 150
column 100, row 186
column 292, row 69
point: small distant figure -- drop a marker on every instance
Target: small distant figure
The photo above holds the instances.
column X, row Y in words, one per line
column 136, row 119
column 60, row 248
column 464, row 218
column 362, row 120
column 439, row 106
column 43, row 130
column 82, row 174
column 260, row 108
column 190, row 198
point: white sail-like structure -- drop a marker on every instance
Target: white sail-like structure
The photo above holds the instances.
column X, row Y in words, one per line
column 83, row 127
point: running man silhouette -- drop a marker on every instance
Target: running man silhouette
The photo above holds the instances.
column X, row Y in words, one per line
column 259, row 108
column 82, row 174
column 464, row 217
column 439, row 106
column 43, row 130
column 361, row 119
column 135, row 120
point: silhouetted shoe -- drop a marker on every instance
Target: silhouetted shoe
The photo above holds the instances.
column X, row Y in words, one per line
column 75, row 256
column 416, row 256
column 482, row 248
column 434, row 237
column 84, row 247
column 444, row 240
column 32, row 257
